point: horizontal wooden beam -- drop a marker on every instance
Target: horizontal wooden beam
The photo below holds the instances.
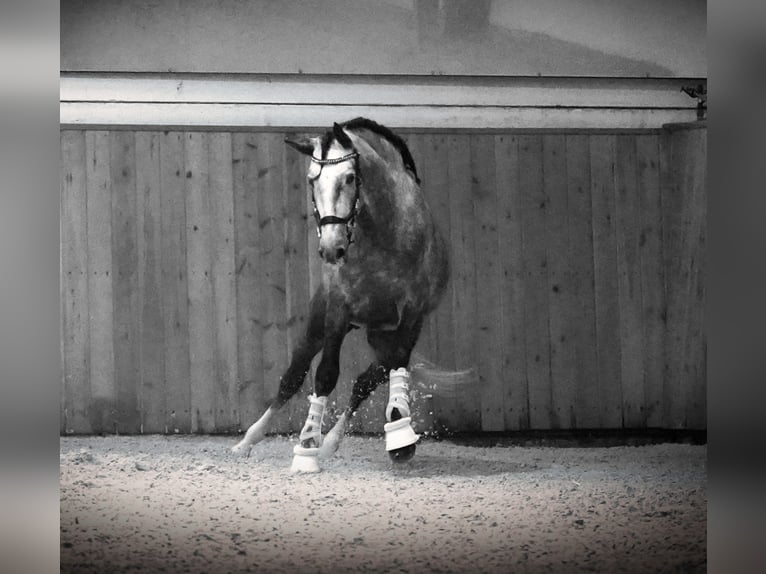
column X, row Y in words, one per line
column 398, row 101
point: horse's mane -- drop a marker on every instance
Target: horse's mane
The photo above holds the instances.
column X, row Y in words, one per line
column 398, row 143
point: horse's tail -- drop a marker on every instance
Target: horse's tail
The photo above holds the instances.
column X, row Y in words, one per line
column 430, row 378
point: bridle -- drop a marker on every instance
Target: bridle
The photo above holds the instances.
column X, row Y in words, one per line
column 350, row 220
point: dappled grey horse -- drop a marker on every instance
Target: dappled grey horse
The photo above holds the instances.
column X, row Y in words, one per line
column 384, row 268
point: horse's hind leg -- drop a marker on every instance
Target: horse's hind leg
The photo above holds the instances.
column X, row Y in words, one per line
column 292, row 380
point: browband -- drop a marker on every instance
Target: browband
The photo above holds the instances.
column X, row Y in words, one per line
column 352, row 155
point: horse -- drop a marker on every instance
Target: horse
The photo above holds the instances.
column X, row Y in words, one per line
column 385, row 267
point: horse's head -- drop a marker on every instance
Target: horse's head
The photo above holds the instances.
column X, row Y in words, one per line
column 333, row 179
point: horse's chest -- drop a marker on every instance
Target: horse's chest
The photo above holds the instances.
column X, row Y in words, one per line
column 374, row 299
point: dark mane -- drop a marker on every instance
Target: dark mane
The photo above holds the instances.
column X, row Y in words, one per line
column 384, row 132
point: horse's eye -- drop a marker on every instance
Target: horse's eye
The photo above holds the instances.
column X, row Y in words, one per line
column 350, row 179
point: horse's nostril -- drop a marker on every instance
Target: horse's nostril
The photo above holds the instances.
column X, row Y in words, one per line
column 340, row 253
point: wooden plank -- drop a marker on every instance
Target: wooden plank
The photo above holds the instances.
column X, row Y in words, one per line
column 426, row 345
column 122, row 147
column 673, row 238
column 76, row 395
column 467, row 407
column 684, row 238
column 174, row 284
column 271, row 245
column 560, row 287
column 151, row 327
column 297, row 225
column 534, row 204
column 652, row 276
column 435, row 183
column 432, row 90
column 696, row 404
column 228, row 116
column 511, row 272
column 606, row 298
column 252, row 399
column 199, row 268
column 580, row 233
column 628, row 218
column 488, row 350
column 224, row 283
column 101, row 302
column 315, row 280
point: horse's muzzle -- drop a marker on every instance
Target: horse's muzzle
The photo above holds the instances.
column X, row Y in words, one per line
column 332, row 255
column 333, row 243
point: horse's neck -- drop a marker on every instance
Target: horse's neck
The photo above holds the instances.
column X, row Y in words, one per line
column 390, row 196
column 394, row 215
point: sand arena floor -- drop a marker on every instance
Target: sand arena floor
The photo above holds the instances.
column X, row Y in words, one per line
column 184, row 504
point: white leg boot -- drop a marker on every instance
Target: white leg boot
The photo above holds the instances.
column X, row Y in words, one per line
column 305, row 458
column 399, row 433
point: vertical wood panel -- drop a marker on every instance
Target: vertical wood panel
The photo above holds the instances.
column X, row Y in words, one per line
column 426, row 345
column 683, row 236
column 627, row 211
column 536, row 318
column 509, row 251
column 560, row 289
column 175, row 309
column 199, row 268
column 652, row 275
column 580, row 234
column 252, row 399
column 466, row 412
column 103, row 388
column 270, row 223
column 74, row 285
column 224, row 283
column 487, row 328
column 435, row 182
column 125, row 281
column 151, row 387
column 605, row 280
column 696, row 404
column 297, row 225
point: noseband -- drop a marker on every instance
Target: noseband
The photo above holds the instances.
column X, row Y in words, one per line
column 350, row 220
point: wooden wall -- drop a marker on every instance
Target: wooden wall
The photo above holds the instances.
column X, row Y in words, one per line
column 187, row 262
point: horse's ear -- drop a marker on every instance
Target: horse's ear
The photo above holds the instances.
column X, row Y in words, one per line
column 340, row 136
column 303, row 145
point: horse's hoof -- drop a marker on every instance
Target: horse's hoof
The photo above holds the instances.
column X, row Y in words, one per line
column 305, row 460
column 399, row 434
column 241, row 449
column 402, row 454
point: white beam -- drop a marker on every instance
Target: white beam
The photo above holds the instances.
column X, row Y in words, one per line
column 189, row 116
column 242, row 101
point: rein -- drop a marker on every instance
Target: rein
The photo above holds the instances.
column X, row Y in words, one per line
column 350, row 220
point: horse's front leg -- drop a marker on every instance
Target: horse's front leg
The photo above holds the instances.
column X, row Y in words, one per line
column 307, row 451
column 292, row 380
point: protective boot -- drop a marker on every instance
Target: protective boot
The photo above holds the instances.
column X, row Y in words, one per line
column 306, row 452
